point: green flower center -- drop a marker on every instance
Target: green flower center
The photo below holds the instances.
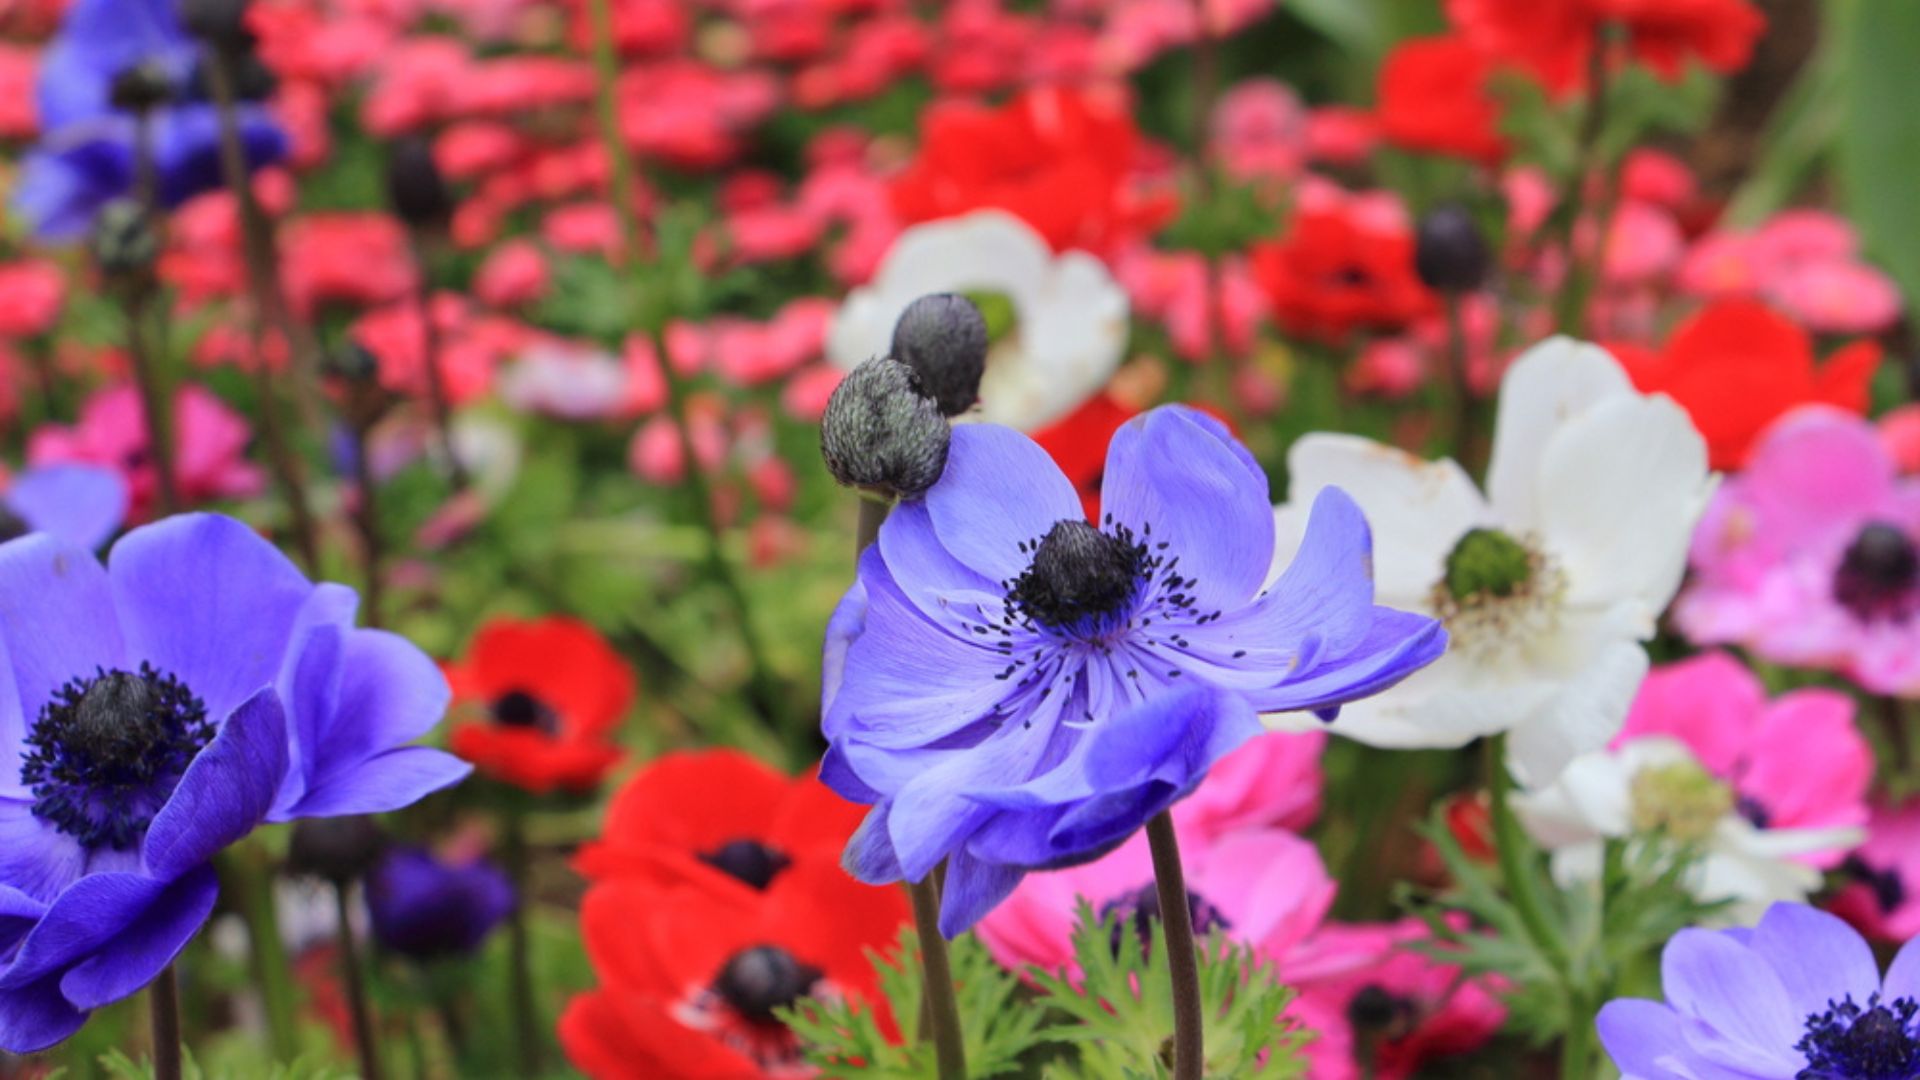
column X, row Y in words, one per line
column 1682, row 801
column 1487, row 562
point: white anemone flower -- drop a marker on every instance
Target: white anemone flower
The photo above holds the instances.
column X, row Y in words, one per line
column 1653, row 790
column 1548, row 583
column 1070, row 327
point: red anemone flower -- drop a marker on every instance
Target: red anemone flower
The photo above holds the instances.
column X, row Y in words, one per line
column 1337, row 270
column 1553, row 40
column 1434, row 99
column 1738, row 365
column 1062, row 160
column 691, row 979
column 550, row 692
column 718, row 819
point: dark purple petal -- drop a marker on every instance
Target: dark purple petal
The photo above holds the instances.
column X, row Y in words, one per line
column 972, row 889
column 225, row 793
column 1000, row 490
column 207, row 600
column 91, row 915
column 35, row 1017
column 148, row 946
column 80, row 504
column 1172, row 478
column 869, row 856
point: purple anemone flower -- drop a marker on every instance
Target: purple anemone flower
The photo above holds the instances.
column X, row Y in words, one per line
column 1013, row 688
column 82, row 505
column 1798, row 996
column 427, row 909
column 156, row 709
column 86, row 158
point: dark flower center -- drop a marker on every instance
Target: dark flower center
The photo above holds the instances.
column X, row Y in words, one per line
column 106, row 753
column 12, row 525
column 1754, row 811
column 1378, row 1013
column 1079, row 576
column 1878, row 1041
column 757, row 981
column 1888, row 890
column 1878, row 574
column 748, row 861
column 517, row 708
column 1140, row 910
column 1487, row 562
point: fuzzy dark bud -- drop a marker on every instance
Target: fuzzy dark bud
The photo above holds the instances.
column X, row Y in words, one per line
column 141, row 88
column 339, row 850
column 220, row 23
column 1449, row 253
column 124, row 243
column 943, row 338
column 416, row 187
column 882, row 433
column 352, row 363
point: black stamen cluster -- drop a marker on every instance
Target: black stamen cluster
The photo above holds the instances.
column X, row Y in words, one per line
column 107, row 751
column 517, row 708
column 755, row 982
column 1078, row 574
column 748, row 861
column 1378, row 1013
column 1879, row 575
column 1877, row 1041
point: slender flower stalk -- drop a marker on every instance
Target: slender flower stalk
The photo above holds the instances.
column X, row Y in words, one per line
column 164, row 1001
column 437, row 398
column 763, row 683
column 526, row 1019
column 146, row 350
column 1572, row 308
column 244, row 877
column 262, row 282
column 1206, row 92
column 364, row 1039
column 1511, row 848
column 1183, row 959
column 363, row 402
column 127, row 244
column 940, row 1011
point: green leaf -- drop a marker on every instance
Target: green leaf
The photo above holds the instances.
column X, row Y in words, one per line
column 1880, row 138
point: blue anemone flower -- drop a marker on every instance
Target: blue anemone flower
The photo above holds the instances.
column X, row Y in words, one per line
column 153, row 711
column 1798, row 995
column 86, row 155
column 80, row 504
column 1013, row 688
column 427, row 909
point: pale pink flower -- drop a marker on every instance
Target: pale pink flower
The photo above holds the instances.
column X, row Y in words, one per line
column 1259, row 129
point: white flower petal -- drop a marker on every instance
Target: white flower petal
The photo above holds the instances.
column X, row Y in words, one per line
column 1550, row 384
column 1449, row 703
column 1583, row 716
column 1417, row 508
column 1617, row 493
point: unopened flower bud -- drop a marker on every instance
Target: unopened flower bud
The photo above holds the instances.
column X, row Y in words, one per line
column 416, row 187
column 1449, row 253
column 882, row 433
column 340, row 849
column 124, row 243
column 352, row 363
column 943, row 338
column 145, row 86
column 221, row 23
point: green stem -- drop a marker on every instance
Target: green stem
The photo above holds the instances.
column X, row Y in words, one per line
column 1515, row 853
column 246, row 877
column 1183, row 960
column 1572, row 311
column 526, row 1017
column 364, row 1038
column 763, row 685
column 164, row 999
column 937, row 983
column 1576, row 1049
column 146, row 350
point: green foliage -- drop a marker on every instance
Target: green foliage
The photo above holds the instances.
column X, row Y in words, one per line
column 1612, row 927
column 1120, row 1012
column 1880, row 136
column 1001, row 1023
column 1114, row 1021
column 118, row 1066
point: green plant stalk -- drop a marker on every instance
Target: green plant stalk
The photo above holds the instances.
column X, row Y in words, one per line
column 1571, row 314
column 365, row 1039
column 1513, row 849
column 244, row 875
column 763, row 684
column 164, row 1001
column 1576, row 1048
column 526, row 1020
column 1183, row 961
